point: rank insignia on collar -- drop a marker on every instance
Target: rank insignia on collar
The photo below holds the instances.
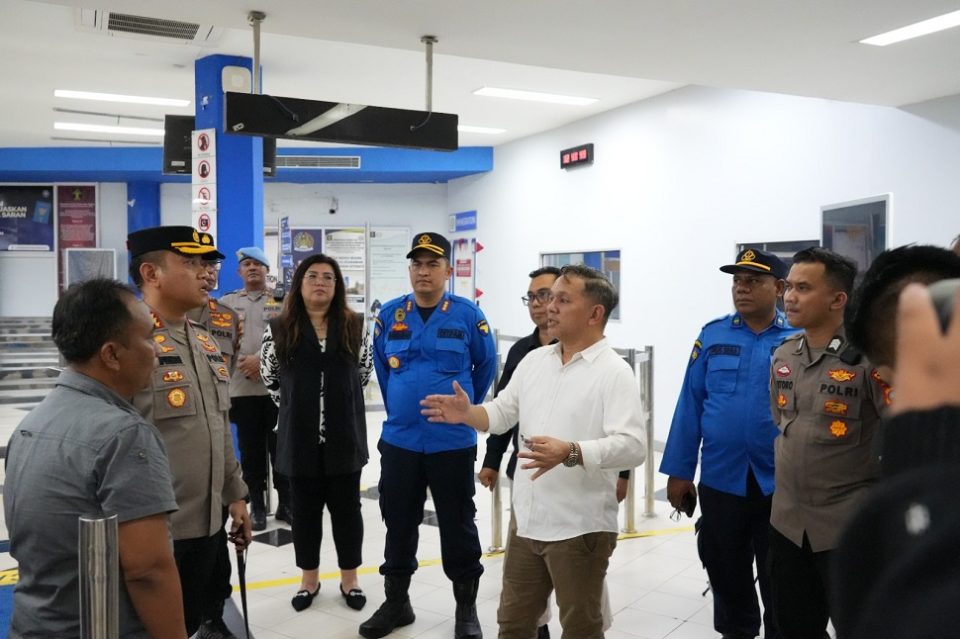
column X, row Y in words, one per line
column 212, row 305
column 784, row 371
column 177, row 398
column 840, row 374
column 173, row 376
column 779, row 321
column 445, row 306
column 399, row 315
column 838, row 428
column 736, row 321
column 409, row 305
column 156, row 320
column 834, row 345
column 393, row 361
column 203, row 338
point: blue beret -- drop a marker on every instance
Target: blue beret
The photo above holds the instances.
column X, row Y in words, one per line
column 253, row 253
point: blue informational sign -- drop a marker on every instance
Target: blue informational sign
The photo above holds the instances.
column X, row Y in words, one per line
column 26, row 218
column 465, row 221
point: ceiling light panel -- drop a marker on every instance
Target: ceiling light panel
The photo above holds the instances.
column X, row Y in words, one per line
column 115, row 97
column 485, row 130
column 105, row 128
column 916, row 30
column 534, row 96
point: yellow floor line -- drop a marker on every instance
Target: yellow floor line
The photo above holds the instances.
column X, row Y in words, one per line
column 11, row 576
column 370, row 570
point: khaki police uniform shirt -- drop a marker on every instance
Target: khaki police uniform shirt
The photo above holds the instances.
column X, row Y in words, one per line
column 187, row 400
column 255, row 309
column 223, row 323
column 827, row 453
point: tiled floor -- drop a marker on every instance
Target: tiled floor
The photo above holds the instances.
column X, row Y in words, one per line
column 655, row 581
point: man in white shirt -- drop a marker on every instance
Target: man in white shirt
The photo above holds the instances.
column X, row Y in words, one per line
column 579, row 406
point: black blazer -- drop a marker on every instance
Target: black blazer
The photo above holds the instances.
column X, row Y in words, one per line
column 298, row 433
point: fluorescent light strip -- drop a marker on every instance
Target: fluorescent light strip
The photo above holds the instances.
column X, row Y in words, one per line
column 925, row 27
column 485, row 130
column 105, row 141
column 115, row 97
column 534, row 96
column 106, row 128
column 115, row 116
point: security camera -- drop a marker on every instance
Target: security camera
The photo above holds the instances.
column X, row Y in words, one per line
column 334, row 205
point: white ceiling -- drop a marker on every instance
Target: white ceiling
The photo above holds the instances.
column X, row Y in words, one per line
column 369, row 52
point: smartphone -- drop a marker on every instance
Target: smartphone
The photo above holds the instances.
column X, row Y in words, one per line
column 944, row 295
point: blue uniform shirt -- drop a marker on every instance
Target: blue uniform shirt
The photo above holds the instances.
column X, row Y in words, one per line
column 725, row 406
column 414, row 360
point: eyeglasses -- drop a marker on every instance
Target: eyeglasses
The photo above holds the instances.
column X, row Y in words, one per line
column 213, row 265
column 543, row 297
column 325, row 279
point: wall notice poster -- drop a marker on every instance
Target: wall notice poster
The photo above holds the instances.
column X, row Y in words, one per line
column 464, row 263
column 26, row 218
column 76, row 221
column 349, row 247
column 389, row 277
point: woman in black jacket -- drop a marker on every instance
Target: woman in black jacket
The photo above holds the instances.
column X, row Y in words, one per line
column 316, row 360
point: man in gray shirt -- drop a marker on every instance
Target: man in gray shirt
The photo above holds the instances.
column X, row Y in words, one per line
column 86, row 451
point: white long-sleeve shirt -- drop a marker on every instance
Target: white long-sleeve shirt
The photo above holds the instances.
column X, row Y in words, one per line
column 593, row 400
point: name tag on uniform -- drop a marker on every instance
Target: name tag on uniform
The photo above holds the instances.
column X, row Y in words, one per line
column 725, row 349
column 451, row 333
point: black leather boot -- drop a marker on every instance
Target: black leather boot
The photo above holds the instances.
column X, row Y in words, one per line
column 395, row 611
column 258, row 510
column 467, row 625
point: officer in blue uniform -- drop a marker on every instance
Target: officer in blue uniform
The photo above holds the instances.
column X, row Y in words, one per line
column 724, row 415
column 423, row 342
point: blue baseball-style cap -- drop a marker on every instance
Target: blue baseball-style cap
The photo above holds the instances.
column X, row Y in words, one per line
column 759, row 262
column 254, row 253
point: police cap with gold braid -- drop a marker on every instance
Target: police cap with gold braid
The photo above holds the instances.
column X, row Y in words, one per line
column 432, row 242
column 184, row 240
column 759, row 262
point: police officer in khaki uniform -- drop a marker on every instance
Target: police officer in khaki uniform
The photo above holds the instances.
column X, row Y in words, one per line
column 187, row 401
column 826, row 400
column 252, row 410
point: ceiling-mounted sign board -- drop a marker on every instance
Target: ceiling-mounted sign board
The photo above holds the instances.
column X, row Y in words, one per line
column 313, row 120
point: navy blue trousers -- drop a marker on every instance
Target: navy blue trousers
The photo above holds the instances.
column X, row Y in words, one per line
column 405, row 476
column 735, row 532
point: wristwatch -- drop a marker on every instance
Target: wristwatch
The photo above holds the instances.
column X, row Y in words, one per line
column 574, row 457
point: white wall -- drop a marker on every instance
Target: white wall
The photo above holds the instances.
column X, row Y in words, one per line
column 113, row 222
column 678, row 180
column 419, row 206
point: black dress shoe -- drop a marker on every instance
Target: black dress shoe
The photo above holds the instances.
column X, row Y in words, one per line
column 283, row 514
column 302, row 600
column 355, row 598
column 258, row 517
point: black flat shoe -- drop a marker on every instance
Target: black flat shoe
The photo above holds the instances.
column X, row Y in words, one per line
column 302, row 600
column 355, row 598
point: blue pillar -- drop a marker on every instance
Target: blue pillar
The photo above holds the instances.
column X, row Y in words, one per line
column 239, row 168
column 143, row 205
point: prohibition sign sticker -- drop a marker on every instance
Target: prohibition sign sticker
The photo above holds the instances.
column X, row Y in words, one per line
column 203, row 222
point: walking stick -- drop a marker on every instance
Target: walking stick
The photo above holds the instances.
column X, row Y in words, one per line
column 242, row 574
